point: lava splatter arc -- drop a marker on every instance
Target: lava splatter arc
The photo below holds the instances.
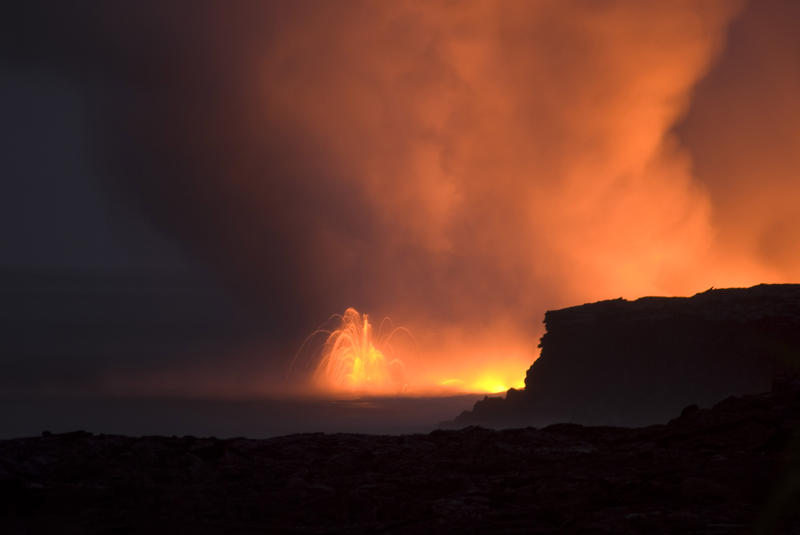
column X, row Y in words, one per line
column 353, row 359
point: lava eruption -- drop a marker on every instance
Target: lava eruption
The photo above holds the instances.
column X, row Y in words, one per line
column 354, row 358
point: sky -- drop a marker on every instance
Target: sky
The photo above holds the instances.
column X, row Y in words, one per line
column 191, row 188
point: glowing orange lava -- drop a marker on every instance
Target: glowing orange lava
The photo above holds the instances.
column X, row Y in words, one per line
column 358, row 359
column 352, row 360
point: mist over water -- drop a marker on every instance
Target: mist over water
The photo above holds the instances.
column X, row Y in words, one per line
column 252, row 418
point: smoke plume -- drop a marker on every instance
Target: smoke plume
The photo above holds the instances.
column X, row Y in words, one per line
column 460, row 166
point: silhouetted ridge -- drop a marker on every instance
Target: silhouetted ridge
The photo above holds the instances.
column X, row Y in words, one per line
column 620, row 362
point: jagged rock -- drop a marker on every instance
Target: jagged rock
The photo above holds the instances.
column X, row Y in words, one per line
column 638, row 362
column 733, row 468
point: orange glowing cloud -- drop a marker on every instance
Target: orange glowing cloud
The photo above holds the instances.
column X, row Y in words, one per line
column 524, row 142
column 463, row 166
column 506, row 150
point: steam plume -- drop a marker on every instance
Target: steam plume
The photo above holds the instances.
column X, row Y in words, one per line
column 459, row 166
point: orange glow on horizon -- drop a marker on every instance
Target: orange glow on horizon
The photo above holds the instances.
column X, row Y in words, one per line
column 355, row 359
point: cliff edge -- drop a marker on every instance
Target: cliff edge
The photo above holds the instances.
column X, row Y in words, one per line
column 620, row 362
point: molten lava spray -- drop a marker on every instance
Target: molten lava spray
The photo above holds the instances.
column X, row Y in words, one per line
column 357, row 359
column 352, row 360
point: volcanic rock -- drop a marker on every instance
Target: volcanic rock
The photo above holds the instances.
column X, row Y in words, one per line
column 621, row 362
column 734, row 468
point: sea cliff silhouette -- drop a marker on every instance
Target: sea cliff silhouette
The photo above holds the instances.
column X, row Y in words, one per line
column 621, row 362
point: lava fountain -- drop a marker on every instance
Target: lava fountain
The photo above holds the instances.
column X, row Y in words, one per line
column 354, row 358
column 357, row 359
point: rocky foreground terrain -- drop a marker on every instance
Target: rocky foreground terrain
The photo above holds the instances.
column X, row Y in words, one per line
column 734, row 468
column 731, row 468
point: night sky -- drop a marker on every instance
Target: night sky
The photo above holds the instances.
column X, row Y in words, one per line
column 190, row 188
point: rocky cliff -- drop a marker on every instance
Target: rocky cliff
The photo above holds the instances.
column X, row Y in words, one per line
column 621, row 362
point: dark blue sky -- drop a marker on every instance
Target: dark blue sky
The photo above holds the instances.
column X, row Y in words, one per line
column 55, row 210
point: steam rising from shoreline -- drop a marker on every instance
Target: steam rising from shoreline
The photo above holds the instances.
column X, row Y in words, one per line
column 460, row 166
